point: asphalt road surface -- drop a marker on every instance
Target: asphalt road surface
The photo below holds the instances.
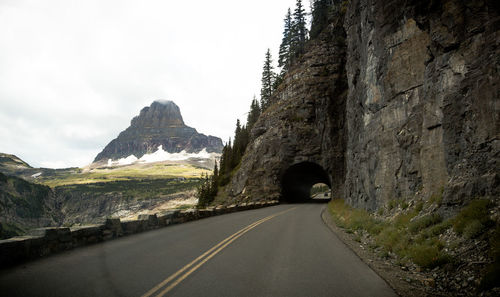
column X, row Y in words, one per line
column 284, row 250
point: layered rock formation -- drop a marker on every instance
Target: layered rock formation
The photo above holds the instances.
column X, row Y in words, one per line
column 159, row 124
column 423, row 105
column 419, row 117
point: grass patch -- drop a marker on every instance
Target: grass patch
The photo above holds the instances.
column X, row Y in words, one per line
column 128, row 190
column 424, row 222
column 354, row 219
column 185, row 206
column 428, row 254
column 125, row 173
column 437, row 198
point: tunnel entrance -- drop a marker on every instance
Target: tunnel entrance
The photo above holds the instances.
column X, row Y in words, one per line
column 299, row 179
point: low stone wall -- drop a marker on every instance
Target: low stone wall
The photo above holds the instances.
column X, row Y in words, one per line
column 45, row 241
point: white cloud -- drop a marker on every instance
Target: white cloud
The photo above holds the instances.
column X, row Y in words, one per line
column 74, row 73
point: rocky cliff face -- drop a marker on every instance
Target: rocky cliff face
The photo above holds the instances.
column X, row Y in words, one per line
column 159, row 124
column 419, row 116
column 305, row 125
column 423, row 108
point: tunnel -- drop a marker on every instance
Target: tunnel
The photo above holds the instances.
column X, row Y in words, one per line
column 298, row 180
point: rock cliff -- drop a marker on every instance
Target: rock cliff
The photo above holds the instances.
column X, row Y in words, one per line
column 396, row 100
column 423, row 104
column 159, row 124
column 305, row 125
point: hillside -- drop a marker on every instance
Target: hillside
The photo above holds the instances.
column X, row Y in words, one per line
column 25, row 205
column 40, row 197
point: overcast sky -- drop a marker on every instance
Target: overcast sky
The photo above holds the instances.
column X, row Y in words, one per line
column 74, row 73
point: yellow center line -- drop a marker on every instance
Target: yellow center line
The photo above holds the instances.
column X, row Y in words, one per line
column 218, row 247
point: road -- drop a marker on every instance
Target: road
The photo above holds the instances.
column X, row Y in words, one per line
column 285, row 250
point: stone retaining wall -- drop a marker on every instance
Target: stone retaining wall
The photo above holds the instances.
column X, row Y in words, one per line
column 45, row 241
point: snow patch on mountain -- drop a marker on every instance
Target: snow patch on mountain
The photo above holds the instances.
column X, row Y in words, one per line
column 162, row 155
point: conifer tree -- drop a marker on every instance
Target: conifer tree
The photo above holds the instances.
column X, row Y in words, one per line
column 267, row 80
column 237, row 146
column 253, row 114
column 214, row 187
column 284, row 52
column 299, row 30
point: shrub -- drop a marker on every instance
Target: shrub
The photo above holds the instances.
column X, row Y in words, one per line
column 436, row 229
column 475, row 211
column 419, row 206
column 394, row 240
column 424, row 222
column 474, row 229
column 428, row 255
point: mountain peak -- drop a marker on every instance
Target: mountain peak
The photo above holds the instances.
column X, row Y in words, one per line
column 160, row 113
column 160, row 123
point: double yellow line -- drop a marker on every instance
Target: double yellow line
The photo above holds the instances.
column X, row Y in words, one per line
column 170, row 282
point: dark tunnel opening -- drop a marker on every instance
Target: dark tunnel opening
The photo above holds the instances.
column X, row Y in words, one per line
column 298, row 180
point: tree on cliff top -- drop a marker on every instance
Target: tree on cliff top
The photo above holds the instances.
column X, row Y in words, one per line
column 294, row 37
column 268, row 77
column 299, row 30
column 284, row 53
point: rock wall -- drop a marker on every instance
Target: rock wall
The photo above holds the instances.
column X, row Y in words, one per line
column 305, row 124
column 423, row 108
column 46, row 241
column 419, row 116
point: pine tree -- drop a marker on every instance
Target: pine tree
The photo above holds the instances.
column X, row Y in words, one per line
column 238, row 145
column 253, row 114
column 299, row 31
column 268, row 76
column 214, row 186
column 284, row 52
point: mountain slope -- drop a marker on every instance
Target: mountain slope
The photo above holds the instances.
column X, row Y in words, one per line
column 25, row 205
column 159, row 124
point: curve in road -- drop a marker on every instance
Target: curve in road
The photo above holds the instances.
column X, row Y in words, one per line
column 284, row 250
